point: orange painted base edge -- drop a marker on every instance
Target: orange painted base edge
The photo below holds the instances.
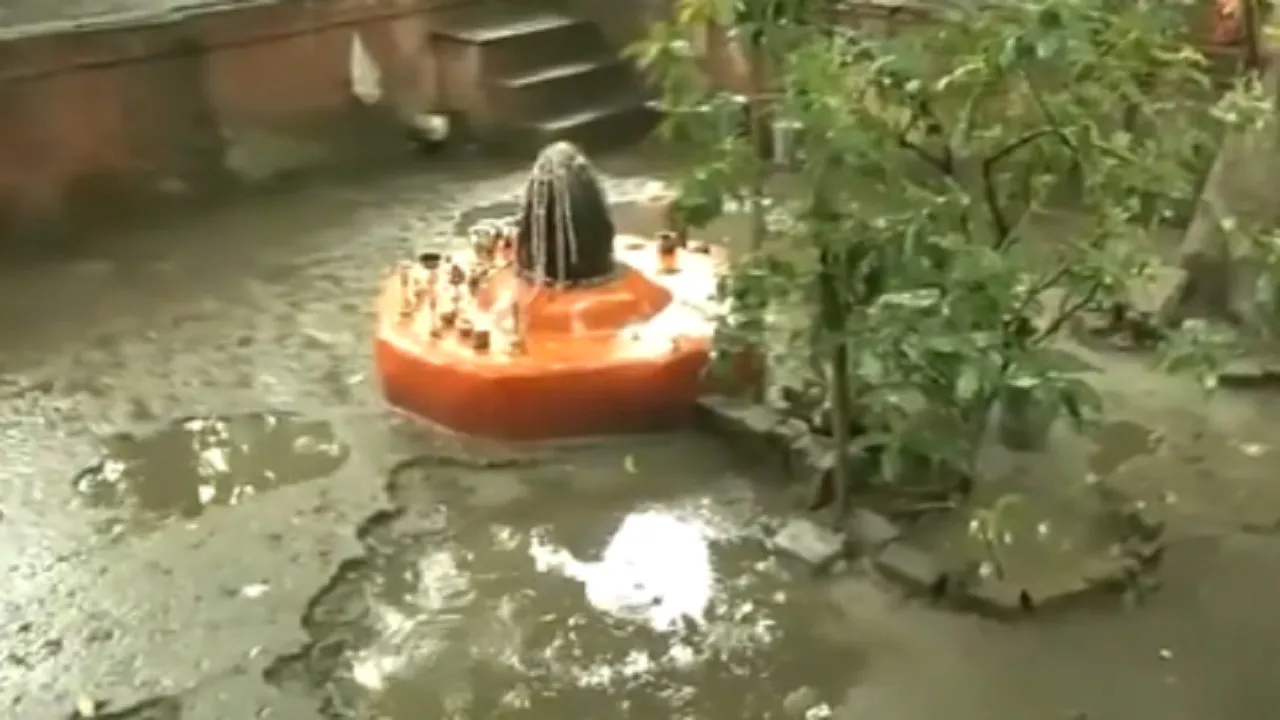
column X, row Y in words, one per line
column 606, row 399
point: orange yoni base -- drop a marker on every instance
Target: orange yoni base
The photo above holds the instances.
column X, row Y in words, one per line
column 464, row 342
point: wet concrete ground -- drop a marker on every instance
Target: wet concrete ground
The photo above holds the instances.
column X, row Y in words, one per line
column 201, row 516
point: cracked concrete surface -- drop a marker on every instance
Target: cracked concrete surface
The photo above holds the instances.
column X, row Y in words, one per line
column 264, row 305
column 261, row 306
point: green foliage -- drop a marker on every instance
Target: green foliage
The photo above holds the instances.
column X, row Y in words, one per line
column 1200, row 349
column 919, row 229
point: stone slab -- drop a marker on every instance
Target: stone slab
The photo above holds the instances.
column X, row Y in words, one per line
column 1249, row 372
column 995, row 599
column 914, row 569
column 747, row 426
column 787, row 432
column 802, row 539
column 1003, row 600
column 872, row 530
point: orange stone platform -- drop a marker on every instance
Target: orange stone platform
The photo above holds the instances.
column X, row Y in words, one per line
column 497, row 356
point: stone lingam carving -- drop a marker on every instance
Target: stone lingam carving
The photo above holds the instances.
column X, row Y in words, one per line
column 564, row 233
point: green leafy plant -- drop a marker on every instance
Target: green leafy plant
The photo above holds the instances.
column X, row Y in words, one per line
column 988, row 525
column 964, row 189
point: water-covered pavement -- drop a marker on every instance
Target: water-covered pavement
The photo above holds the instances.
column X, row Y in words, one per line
column 207, row 511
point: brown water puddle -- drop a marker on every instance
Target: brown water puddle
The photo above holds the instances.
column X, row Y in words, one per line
column 589, row 595
column 1116, row 443
column 189, row 465
column 664, row 621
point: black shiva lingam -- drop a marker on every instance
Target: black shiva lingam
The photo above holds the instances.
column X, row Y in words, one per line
column 564, row 234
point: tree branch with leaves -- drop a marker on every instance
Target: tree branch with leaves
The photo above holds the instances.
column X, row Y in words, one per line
column 928, row 160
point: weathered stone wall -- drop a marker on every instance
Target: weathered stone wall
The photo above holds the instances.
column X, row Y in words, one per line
column 101, row 120
column 623, row 22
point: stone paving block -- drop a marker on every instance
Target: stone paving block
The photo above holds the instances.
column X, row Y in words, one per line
column 914, row 569
column 749, row 428
column 872, row 530
column 994, row 599
column 816, row 546
column 1002, row 599
column 736, row 418
column 811, row 456
column 714, row 413
column 1109, row 572
column 787, row 432
column 758, row 421
column 1249, row 373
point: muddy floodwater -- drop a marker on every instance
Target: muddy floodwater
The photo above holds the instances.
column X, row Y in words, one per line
column 594, row 580
column 208, row 513
column 181, row 468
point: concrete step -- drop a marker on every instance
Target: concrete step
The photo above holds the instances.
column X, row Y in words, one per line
column 553, row 46
column 616, row 120
column 549, row 89
column 485, row 22
column 513, row 39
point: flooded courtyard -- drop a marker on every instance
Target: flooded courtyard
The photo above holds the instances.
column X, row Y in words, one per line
column 491, row 595
column 209, row 513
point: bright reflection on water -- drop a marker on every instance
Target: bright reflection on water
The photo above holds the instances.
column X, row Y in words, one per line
column 655, row 570
column 678, row 615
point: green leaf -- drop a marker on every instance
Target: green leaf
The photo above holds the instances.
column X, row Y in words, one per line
column 919, row 273
column 969, row 383
column 1050, row 18
column 1024, row 382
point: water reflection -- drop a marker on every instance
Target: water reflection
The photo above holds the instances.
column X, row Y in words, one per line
column 193, row 463
column 656, row 569
column 677, row 615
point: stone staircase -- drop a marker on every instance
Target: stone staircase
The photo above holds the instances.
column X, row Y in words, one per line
column 527, row 73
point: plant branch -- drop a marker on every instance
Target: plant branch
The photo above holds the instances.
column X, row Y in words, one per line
column 1016, row 145
column 940, row 163
column 841, row 422
column 999, row 220
column 1049, row 116
column 1045, row 283
column 923, row 114
column 1067, row 310
column 1030, row 200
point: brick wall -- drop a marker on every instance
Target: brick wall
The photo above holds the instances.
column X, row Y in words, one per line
column 103, row 120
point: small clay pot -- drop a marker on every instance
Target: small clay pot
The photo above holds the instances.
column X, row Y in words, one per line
column 430, row 260
column 668, row 252
column 1024, row 421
